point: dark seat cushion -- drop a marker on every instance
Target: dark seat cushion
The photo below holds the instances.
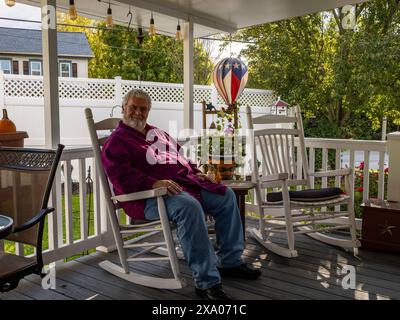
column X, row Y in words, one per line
column 309, row 195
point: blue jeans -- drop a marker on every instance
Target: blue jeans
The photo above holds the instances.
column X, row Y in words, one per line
column 187, row 212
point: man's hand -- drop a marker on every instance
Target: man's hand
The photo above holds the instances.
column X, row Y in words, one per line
column 205, row 177
column 172, row 186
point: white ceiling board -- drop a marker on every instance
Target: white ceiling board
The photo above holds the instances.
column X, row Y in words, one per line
column 209, row 16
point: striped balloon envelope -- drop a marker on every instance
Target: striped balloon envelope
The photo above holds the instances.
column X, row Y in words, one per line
column 230, row 78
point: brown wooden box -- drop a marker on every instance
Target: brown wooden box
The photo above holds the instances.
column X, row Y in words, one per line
column 13, row 139
column 381, row 226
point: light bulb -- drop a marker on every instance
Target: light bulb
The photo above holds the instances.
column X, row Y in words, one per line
column 178, row 35
column 109, row 20
column 10, row 3
column 152, row 28
column 72, row 10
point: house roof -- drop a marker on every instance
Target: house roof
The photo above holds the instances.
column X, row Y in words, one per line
column 280, row 103
column 28, row 41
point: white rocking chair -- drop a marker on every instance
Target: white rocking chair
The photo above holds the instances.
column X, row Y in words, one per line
column 120, row 231
column 304, row 211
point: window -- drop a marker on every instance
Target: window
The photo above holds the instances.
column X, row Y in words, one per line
column 5, row 65
column 35, row 68
column 65, row 69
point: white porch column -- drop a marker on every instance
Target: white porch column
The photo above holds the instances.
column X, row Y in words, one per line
column 393, row 141
column 52, row 112
column 2, row 93
column 188, row 52
column 50, row 73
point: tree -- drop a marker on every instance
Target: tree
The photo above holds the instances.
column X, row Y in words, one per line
column 136, row 56
column 347, row 77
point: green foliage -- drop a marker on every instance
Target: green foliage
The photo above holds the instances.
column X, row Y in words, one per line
column 373, row 186
column 347, row 78
column 122, row 53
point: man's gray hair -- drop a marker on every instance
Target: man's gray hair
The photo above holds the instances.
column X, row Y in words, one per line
column 138, row 93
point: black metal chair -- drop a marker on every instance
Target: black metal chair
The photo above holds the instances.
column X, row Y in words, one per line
column 26, row 179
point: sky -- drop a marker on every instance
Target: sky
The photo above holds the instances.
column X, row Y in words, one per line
column 22, row 11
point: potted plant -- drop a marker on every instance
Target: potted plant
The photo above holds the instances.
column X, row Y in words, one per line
column 222, row 151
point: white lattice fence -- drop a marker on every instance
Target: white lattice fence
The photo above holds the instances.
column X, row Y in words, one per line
column 159, row 92
column 17, row 86
column 87, row 89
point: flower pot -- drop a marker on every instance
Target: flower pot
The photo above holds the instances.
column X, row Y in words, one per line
column 225, row 166
column 13, row 139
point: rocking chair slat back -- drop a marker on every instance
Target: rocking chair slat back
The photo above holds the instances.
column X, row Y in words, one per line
column 276, row 147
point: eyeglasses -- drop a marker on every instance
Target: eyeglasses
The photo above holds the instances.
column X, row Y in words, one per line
column 132, row 107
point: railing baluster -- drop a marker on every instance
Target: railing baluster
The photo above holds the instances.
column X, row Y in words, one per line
column 337, row 179
column 324, row 180
column 381, row 173
column 82, row 199
column 366, row 176
column 96, row 200
column 351, row 163
column 312, row 166
column 69, row 226
column 299, row 167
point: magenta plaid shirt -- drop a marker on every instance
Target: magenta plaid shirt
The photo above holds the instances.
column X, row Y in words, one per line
column 133, row 164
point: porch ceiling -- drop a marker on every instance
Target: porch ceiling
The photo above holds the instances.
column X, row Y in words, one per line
column 209, row 16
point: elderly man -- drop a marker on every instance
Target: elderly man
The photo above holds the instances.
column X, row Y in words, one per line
column 138, row 157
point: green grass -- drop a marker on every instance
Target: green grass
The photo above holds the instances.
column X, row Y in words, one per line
column 10, row 246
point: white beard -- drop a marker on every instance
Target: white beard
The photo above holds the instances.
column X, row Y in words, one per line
column 135, row 123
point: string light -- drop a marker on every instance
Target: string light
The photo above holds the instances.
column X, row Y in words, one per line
column 10, row 3
column 152, row 28
column 178, row 35
column 72, row 10
column 109, row 20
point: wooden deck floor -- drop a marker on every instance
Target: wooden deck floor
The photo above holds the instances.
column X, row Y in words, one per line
column 315, row 274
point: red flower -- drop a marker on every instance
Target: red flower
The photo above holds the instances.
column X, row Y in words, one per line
column 386, row 170
column 360, row 189
column 361, row 166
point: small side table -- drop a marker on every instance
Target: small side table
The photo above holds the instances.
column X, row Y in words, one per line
column 381, row 226
column 241, row 189
column 6, row 225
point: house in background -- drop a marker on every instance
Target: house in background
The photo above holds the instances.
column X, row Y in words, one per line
column 21, row 52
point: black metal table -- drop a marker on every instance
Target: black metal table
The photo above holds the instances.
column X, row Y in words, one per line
column 6, row 226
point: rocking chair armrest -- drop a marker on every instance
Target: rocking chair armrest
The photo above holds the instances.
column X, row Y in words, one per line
column 274, row 177
column 141, row 195
column 42, row 213
column 331, row 173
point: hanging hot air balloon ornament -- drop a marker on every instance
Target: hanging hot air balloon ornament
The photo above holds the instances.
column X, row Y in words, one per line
column 230, row 78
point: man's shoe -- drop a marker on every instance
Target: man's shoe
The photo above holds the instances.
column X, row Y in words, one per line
column 213, row 293
column 243, row 271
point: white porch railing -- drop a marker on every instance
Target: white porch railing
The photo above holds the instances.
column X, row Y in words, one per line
column 92, row 224
column 62, row 241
